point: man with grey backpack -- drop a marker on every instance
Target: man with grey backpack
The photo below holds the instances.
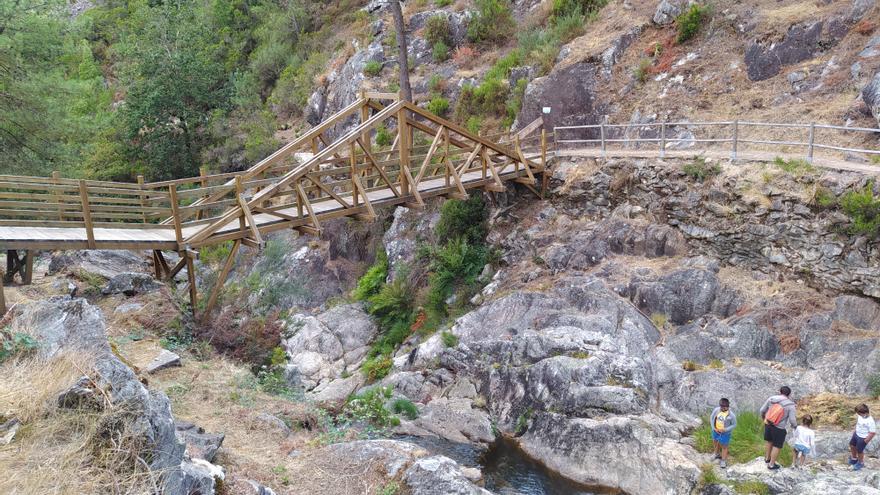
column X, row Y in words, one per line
column 777, row 412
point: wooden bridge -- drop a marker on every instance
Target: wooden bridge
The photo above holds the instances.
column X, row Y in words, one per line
column 306, row 182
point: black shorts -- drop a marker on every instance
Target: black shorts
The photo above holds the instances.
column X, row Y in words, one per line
column 774, row 435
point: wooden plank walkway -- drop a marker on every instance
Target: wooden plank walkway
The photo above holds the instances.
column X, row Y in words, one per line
column 67, row 238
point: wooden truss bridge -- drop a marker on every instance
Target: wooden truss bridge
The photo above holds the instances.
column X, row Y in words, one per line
column 307, row 181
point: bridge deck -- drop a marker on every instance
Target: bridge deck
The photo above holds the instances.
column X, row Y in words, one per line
column 162, row 237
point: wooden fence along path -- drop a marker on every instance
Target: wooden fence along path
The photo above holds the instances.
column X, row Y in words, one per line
column 306, row 182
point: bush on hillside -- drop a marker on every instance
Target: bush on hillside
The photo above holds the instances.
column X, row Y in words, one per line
column 689, row 22
column 438, row 106
column 863, row 209
column 568, row 7
column 465, row 219
column 440, row 52
column 437, row 30
column 373, row 68
column 493, row 22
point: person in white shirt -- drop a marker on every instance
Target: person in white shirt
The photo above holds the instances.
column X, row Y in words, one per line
column 804, row 440
column 866, row 428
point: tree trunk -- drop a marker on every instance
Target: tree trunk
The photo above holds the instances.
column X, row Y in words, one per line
column 402, row 60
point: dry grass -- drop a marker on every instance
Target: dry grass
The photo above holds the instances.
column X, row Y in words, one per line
column 221, row 396
column 835, row 410
column 58, row 451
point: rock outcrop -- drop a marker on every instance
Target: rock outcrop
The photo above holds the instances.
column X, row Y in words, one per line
column 65, row 324
column 322, row 347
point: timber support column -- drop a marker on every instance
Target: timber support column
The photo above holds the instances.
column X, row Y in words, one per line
column 2, row 299
column 403, row 140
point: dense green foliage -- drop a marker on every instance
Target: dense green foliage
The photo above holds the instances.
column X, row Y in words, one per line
column 747, row 441
column 438, row 105
column 159, row 88
column 463, row 219
column 406, row 408
column 863, row 208
column 440, row 51
column 369, row 407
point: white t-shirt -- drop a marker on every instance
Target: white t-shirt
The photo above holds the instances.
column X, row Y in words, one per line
column 865, row 426
column 806, row 437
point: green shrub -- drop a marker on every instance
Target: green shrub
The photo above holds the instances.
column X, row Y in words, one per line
column 457, row 264
column 440, row 52
column 466, row 219
column 216, row 254
column 383, row 136
column 473, row 124
column 747, row 440
column 406, row 408
column 568, row 27
column 369, row 407
column 438, row 105
column 373, row 68
column 493, row 22
column 377, row 367
column 449, row 339
column 643, row 70
column 863, row 209
column 16, row 344
column 372, row 281
column 688, row 23
column 569, row 7
column 700, row 170
column 824, row 198
column 392, row 305
column 442, row 3
column 437, row 30
column 436, row 83
column 514, row 104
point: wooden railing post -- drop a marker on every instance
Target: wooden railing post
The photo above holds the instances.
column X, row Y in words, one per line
column 812, row 141
column 735, row 140
column 175, row 215
column 353, row 160
column 2, row 297
column 140, row 181
column 403, row 139
column 544, row 148
column 602, row 136
column 663, row 140
column 57, row 196
column 517, row 149
column 87, row 213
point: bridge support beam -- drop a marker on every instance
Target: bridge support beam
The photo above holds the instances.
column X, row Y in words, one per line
column 23, row 266
column 2, row 299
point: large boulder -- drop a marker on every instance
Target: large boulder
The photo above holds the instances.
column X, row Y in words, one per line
column 322, row 347
column 577, row 105
column 667, row 11
column 800, row 43
column 104, row 263
column 130, row 284
column 638, row 455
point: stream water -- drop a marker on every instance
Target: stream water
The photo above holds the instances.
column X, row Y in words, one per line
column 507, row 470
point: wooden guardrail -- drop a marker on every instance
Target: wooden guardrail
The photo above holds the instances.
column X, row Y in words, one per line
column 735, row 139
